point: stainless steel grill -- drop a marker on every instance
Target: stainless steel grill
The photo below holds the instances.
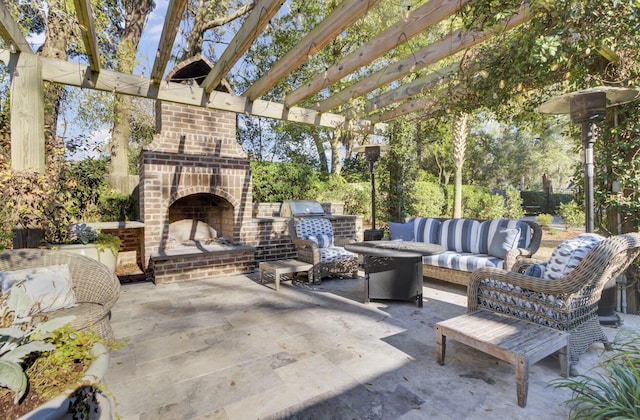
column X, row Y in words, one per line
column 301, row 208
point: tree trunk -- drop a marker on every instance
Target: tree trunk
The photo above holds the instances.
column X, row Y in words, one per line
column 319, row 142
column 137, row 12
column 459, row 146
column 54, row 46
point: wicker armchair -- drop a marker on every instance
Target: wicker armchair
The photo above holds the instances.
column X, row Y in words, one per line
column 569, row 303
column 95, row 286
column 326, row 260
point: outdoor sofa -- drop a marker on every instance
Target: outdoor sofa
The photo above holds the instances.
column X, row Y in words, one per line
column 470, row 244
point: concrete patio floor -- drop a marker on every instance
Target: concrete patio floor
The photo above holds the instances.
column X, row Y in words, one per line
column 231, row 348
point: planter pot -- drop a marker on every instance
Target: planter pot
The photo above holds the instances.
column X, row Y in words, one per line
column 106, row 256
column 58, row 407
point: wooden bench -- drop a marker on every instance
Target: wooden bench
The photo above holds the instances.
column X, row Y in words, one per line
column 277, row 268
column 512, row 340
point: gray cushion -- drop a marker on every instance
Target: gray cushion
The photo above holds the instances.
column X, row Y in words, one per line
column 48, row 287
column 535, row 270
column 401, row 231
column 504, row 241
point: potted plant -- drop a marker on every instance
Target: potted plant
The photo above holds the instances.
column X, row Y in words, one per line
column 47, row 369
column 84, row 240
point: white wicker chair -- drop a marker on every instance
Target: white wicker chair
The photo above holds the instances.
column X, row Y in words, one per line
column 96, row 288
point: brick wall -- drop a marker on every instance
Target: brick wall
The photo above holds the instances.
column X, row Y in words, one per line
column 194, row 161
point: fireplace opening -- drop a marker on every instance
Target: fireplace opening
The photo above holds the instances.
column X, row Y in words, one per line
column 200, row 219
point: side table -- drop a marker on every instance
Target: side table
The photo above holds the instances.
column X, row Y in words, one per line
column 509, row 339
column 277, row 268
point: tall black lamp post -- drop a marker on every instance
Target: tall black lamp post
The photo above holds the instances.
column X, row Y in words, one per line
column 372, row 153
column 586, row 107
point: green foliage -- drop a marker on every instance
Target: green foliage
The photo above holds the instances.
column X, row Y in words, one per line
column 514, row 205
column 473, row 201
column 278, row 181
column 114, row 207
column 356, row 197
column 427, row 200
column 572, row 214
column 612, row 389
column 544, row 219
column 20, row 336
column 492, row 207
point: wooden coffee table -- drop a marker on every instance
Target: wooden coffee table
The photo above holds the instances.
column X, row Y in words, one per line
column 277, row 268
column 509, row 339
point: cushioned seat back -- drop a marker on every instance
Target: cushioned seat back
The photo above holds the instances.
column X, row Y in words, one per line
column 426, row 229
column 313, row 226
column 460, row 235
column 489, row 228
column 568, row 254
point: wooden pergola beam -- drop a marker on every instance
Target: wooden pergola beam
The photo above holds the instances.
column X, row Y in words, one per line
column 85, row 19
column 11, row 33
column 404, row 109
column 413, row 88
column 253, row 25
column 73, row 74
column 345, row 14
column 452, row 44
column 175, row 9
column 429, row 14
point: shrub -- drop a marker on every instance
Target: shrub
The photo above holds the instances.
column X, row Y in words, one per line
column 572, row 214
column 278, row 181
column 356, row 197
column 428, row 199
column 114, row 207
column 492, row 207
column 514, row 205
column 544, row 219
column 612, row 390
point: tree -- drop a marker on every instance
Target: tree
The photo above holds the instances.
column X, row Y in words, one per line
column 459, row 146
column 136, row 12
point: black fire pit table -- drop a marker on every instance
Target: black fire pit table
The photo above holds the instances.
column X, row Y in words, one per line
column 393, row 269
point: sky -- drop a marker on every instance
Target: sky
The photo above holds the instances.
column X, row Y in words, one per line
column 146, row 55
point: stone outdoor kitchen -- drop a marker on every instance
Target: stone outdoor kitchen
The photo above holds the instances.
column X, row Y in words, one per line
column 196, row 205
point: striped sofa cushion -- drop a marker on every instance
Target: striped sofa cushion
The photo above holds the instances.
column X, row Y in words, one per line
column 426, row 229
column 489, row 228
column 462, row 262
column 460, row 235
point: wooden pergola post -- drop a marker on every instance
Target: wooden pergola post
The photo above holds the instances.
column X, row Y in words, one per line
column 27, row 112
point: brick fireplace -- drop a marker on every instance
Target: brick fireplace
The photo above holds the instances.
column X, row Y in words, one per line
column 195, row 171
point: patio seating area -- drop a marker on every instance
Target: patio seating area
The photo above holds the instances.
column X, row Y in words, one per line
column 232, row 348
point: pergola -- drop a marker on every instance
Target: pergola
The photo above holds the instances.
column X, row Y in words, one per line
column 29, row 70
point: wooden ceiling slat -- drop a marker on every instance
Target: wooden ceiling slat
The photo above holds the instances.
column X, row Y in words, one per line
column 421, row 19
column 413, row 88
column 85, row 19
column 404, row 109
column 175, row 9
column 452, row 44
column 74, row 74
column 10, row 31
column 345, row 14
column 253, row 25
